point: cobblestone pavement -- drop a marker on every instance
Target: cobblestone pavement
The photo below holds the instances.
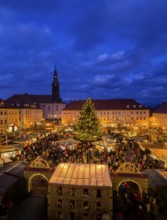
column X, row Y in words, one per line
column 33, row 208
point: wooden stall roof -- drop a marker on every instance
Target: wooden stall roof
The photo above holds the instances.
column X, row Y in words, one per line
column 164, row 173
column 81, row 175
column 160, row 153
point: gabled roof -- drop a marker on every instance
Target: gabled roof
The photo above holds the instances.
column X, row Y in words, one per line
column 22, row 99
column 29, row 99
column 42, row 98
column 110, row 104
column 81, row 175
column 162, row 108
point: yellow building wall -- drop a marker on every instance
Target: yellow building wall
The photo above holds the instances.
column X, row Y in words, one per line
column 159, row 120
column 112, row 117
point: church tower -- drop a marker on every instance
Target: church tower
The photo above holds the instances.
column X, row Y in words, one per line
column 55, row 88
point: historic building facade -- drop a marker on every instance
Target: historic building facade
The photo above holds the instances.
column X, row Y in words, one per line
column 36, row 107
column 80, row 191
column 9, row 119
column 113, row 112
column 159, row 116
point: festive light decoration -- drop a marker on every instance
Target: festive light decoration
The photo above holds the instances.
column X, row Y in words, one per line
column 88, row 126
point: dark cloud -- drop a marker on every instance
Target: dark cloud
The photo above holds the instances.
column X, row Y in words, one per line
column 102, row 48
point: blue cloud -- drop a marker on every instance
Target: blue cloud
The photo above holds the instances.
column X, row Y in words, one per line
column 102, row 48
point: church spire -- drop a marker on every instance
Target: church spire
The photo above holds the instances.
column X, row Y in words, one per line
column 55, row 88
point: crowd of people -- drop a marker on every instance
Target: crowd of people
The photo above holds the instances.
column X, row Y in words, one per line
column 50, row 148
column 128, row 204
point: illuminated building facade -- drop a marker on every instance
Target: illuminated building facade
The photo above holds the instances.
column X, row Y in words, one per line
column 80, row 191
column 160, row 116
column 9, row 119
column 30, row 116
column 51, row 105
column 113, row 112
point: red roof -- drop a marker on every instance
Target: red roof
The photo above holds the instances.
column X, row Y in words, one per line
column 29, row 99
column 110, row 104
column 42, row 98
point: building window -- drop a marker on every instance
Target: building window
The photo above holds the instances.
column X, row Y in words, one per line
column 98, row 193
column 59, row 203
column 98, row 205
column 85, row 205
column 59, row 215
column 72, row 204
column 72, row 216
column 85, row 192
column 85, row 216
column 59, row 190
column 72, row 192
column 99, row 217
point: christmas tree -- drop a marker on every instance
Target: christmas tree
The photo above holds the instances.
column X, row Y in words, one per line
column 88, row 126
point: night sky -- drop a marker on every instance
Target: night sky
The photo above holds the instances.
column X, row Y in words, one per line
column 103, row 49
